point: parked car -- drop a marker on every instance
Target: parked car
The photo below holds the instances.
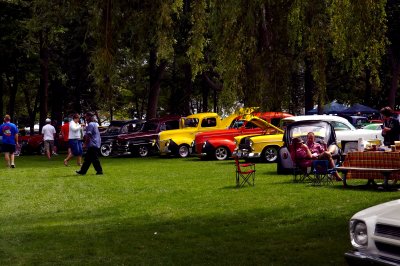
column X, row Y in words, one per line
column 220, row 144
column 324, row 134
column 374, row 235
column 35, row 144
column 356, row 120
column 266, row 147
column 178, row 142
column 142, row 142
column 374, row 126
column 117, row 127
column 343, row 128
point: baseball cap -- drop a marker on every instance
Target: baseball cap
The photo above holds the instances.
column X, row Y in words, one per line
column 48, row 120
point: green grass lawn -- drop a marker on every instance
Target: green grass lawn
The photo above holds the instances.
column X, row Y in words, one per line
column 171, row 212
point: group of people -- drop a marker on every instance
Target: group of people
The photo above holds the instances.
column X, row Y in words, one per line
column 304, row 154
column 72, row 133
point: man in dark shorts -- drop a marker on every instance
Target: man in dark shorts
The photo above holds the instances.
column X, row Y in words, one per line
column 9, row 132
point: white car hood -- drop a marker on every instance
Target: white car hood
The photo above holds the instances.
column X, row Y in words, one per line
column 365, row 134
column 385, row 212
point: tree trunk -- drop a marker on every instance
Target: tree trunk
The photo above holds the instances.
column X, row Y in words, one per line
column 188, row 88
column 57, row 101
column 308, row 87
column 205, row 92
column 368, row 88
column 156, row 74
column 395, row 64
column 44, row 78
column 1, row 93
column 13, row 87
column 31, row 111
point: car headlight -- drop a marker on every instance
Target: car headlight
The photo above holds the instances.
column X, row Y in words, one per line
column 358, row 233
column 167, row 143
column 251, row 143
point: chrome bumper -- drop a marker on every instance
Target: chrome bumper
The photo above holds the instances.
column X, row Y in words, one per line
column 246, row 154
column 358, row 258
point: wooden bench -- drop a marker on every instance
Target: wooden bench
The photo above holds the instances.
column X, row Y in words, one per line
column 371, row 165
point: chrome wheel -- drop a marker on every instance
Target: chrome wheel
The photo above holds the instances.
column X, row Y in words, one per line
column 221, row 153
column 42, row 151
column 183, row 151
column 270, row 154
column 105, row 150
column 143, row 151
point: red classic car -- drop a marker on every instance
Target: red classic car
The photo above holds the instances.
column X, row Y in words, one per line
column 219, row 144
column 34, row 143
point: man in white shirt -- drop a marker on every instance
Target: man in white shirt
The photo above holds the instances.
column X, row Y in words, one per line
column 48, row 132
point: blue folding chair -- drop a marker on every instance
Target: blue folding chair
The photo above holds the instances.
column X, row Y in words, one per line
column 323, row 175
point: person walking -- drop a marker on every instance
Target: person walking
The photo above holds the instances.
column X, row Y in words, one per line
column 65, row 135
column 9, row 132
column 48, row 132
column 93, row 142
column 75, row 140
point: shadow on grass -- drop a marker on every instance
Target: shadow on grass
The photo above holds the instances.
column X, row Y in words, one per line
column 104, row 237
column 371, row 188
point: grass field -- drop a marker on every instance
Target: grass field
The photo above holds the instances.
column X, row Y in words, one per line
column 171, row 212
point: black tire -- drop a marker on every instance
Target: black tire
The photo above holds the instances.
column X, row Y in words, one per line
column 183, row 151
column 105, row 150
column 221, row 153
column 143, row 151
column 270, row 154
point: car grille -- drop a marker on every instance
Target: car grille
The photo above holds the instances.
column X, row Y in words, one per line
column 388, row 231
column 391, row 232
column 244, row 144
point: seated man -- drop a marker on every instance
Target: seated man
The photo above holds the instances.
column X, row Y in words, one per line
column 318, row 151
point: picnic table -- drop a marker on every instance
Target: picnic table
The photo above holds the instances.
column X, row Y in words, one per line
column 371, row 165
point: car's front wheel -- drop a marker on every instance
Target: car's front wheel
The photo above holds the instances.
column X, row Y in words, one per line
column 105, row 150
column 42, row 150
column 143, row 151
column 269, row 154
column 183, row 151
column 221, row 153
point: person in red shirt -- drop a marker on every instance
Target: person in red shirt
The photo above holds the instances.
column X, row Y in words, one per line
column 65, row 134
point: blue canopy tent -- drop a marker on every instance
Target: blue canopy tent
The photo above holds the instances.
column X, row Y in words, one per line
column 330, row 108
column 360, row 109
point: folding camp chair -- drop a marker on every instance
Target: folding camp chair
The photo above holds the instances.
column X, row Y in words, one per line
column 244, row 171
column 322, row 173
column 301, row 174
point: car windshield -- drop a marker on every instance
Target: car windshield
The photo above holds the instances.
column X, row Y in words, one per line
column 237, row 123
column 113, row 129
column 148, row 126
column 373, row 126
column 191, row 122
column 301, row 131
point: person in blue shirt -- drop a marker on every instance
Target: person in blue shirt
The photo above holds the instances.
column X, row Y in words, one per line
column 93, row 142
column 9, row 133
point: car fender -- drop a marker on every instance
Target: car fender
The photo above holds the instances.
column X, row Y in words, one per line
column 285, row 158
column 230, row 144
